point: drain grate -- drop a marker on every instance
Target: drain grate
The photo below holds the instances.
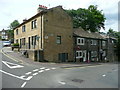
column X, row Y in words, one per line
column 77, row 80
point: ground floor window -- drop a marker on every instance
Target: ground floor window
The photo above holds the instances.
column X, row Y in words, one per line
column 93, row 53
column 79, row 54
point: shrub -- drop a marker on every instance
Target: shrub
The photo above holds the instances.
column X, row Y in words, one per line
column 15, row 44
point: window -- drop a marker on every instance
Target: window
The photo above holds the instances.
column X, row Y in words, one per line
column 79, row 54
column 104, row 53
column 34, row 40
column 93, row 42
column 93, row 54
column 3, row 32
column 23, row 28
column 23, row 41
column 34, row 24
column 16, row 31
column 80, row 41
column 103, row 43
column 58, row 41
column 17, row 41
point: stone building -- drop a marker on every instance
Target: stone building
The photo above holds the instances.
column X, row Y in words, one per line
column 88, row 46
column 47, row 36
column 4, row 34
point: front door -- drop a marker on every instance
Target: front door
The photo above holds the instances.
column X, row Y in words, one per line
column 29, row 43
column 84, row 55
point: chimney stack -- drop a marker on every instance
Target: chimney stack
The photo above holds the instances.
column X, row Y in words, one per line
column 41, row 8
column 24, row 20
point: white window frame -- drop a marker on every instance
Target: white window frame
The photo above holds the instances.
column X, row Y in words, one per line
column 80, row 41
column 79, row 54
column 34, row 24
column 104, row 53
column 58, row 39
column 94, row 42
column 24, row 28
column 93, row 53
column 103, row 43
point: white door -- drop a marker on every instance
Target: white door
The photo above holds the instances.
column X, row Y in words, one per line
column 84, row 55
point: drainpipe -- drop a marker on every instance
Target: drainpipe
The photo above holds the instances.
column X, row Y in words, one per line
column 41, row 32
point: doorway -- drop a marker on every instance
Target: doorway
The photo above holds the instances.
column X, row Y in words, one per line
column 63, row 57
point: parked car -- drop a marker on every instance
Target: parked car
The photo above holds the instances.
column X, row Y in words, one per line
column 6, row 43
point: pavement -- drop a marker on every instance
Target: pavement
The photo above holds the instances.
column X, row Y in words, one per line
column 18, row 57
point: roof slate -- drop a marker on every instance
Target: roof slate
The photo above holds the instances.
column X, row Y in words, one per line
column 82, row 33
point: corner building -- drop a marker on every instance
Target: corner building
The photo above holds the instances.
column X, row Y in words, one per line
column 47, row 36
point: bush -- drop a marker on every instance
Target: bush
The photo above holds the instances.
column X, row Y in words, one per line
column 15, row 44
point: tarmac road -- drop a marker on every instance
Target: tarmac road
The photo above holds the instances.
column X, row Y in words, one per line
column 21, row 75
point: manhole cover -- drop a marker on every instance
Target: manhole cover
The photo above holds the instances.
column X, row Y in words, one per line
column 77, row 80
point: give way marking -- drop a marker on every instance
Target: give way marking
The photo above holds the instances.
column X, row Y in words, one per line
column 12, row 65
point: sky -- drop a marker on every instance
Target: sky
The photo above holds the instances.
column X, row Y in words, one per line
column 11, row 10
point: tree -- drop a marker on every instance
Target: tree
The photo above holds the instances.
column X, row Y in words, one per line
column 89, row 19
column 12, row 25
column 118, row 45
column 116, row 35
column 111, row 33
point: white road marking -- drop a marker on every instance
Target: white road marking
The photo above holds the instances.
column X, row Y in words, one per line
column 47, row 69
column 35, row 74
column 53, row 68
column 12, row 65
column 103, row 75
column 61, row 82
column 41, row 71
column 22, row 76
column 30, row 77
column 28, row 73
column 35, row 70
column 19, row 77
column 23, row 85
column 12, row 75
column 42, row 68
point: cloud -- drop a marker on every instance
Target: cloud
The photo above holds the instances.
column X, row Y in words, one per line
column 20, row 9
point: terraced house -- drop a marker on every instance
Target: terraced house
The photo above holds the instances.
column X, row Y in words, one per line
column 47, row 36
column 89, row 47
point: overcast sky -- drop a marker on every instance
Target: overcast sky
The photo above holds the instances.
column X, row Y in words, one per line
column 11, row 10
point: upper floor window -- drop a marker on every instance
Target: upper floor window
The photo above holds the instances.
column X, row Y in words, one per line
column 16, row 31
column 3, row 32
column 23, row 28
column 34, row 24
column 58, row 40
column 103, row 43
column 80, row 41
column 93, row 42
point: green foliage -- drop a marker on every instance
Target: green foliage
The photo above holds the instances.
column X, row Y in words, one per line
column 89, row 19
column 15, row 44
column 14, row 24
column 116, row 35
